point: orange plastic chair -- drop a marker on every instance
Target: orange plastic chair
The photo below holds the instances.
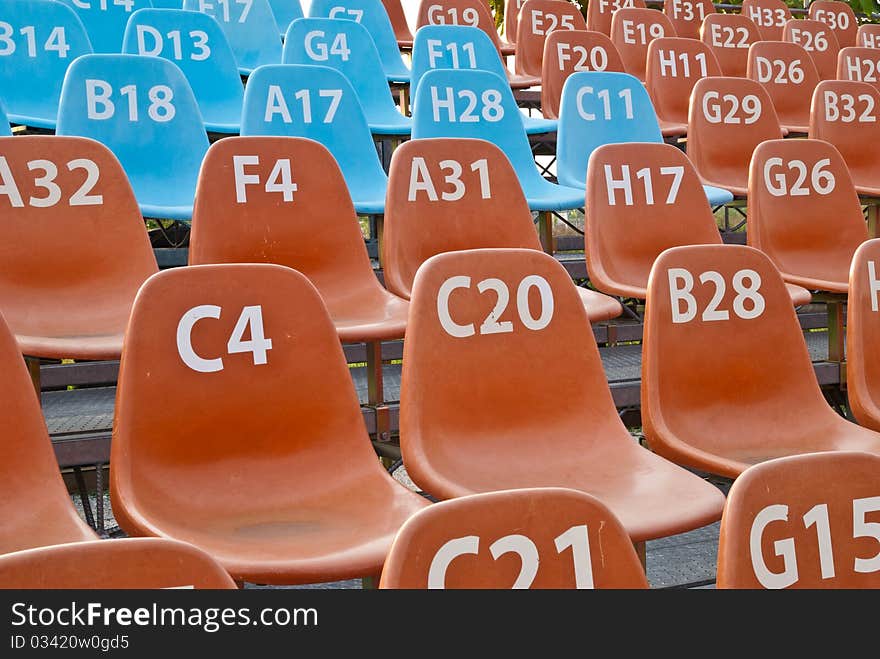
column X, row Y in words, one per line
column 632, row 29
column 537, row 19
column 424, row 216
column 620, row 244
column 727, row 119
column 804, row 212
column 673, row 65
column 237, row 429
column 802, row 521
column 545, row 537
column 687, row 16
column 399, row 23
column 508, row 322
column 127, row 563
column 818, row 40
column 35, row 506
column 68, row 292
column 862, row 334
column 838, row 16
column 727, row 381
column 600, row 13
column 868, row 35
column 847, row 114
column 283, row 200
column 769, row 15
column 463, row 12
column 859, row 64
column 729, row 36
column 511, row 19
column 567, row 51
column 788, row 74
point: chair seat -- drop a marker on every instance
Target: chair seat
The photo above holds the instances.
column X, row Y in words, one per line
column 672, row 128
column 368, row 205
column 391, row 125
column 788, row 129
column 598, row 305
column 651, row 496
column 737, row 188
column 539, row 125
column 229, row 128
column 799, row 295
column 520, row 81
column 325, row 535
column 839, row 286
column 377, row 320
column 35, row 120
column 508, row 49
column 398, row 75
column 717, row 196
column 107, row 346
column 542, row 195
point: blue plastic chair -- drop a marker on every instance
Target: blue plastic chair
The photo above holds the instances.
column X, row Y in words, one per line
column 250, row 29
column 5, row 127
column 31, row 85
column 372, row 15
column 286, row 12
column 168, row 4
column 463, row 47
column 347, row 47
column 196, row 43
column 453, row 103
column 105, row 20
column 160, row 149
column 319, row 103
column 603, row 107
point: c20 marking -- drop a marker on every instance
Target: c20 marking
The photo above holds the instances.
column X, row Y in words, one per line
column 597, row 56
column 492, row 324
column 199, row 42
column 816, row 516
column 681, row 283
column 576, row 537
column 785, row 71
column 842, row 107
column 821, row 180
column 625, row 184
column 420, row 180
column 81, row 197
column 723, row 36
column 712, row 108
column 99, row 105
column 276, row 104
column 280, row 179
column 490, row 111
column 251, row 317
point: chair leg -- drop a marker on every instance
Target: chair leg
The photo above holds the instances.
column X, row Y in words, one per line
column 545, row 231
column 370, row 583
column 33, row 367
column 642, row 552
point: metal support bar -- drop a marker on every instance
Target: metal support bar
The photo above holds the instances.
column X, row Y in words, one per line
column 873, row 213
column 545, row 231
column 836, row 336
column 642, row 552
column 84, row 496
column 375, row 389
column 99, row 500
column 33, row 367
column 370, row 583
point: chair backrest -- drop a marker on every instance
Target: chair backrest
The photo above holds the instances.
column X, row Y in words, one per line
column 818, row 40
column 600, row 107
column 795, row 188
column 105, row 20
column 769, row 15
column 477, row 104
column 728, row 118
column 564, row 538
column 373, row 16
column 452, row 47
column 196, row 43
column 69, row 200
column 347, row 47
column 447, row 194
column 643, row 199
column 860, row 64
column 285, row 12
column 839, row 16
column 868, row 35
column 36, row 508
column 687, row 16
column 40, row 38
column 567, row 51
column 319, row 103
column 601, row 12
column 511, row 19
column 128, row 563
column 399, row 22
column 632, row 29
column 729, row 36
column 139, row 106
column 788, row 74
column 537, row 19
column 863, row 334
column 719, row 319
column 281, row 200
column 672, row 68
column 250, row 28
column 802, row 521
column 847, row 114
column 216, row 353
column 472, row 13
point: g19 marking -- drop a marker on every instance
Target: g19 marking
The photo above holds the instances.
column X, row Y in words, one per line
column 816, row 516
column 576, row 538
column 250, row 318
column 420, row 180
column 437, row 16
column 81, row 197
column 681, row 283
column 492, row 325
column 821, row 180
column 713, row 110
column 280, row 179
